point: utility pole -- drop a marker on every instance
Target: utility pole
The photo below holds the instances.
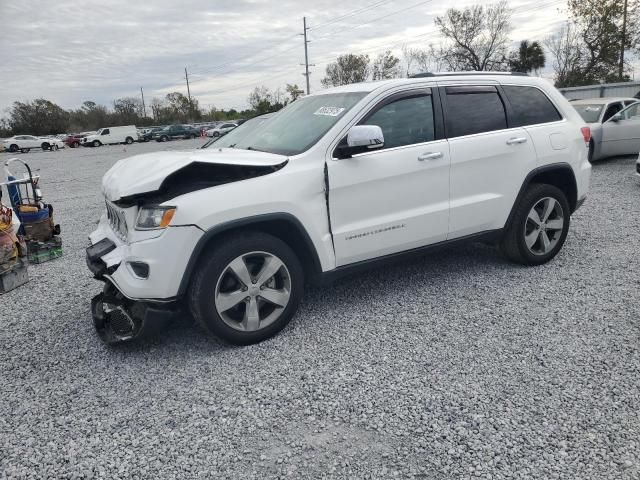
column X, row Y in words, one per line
column 144, row 110
column 186, row 76
column 306, row 53
column 623, row 41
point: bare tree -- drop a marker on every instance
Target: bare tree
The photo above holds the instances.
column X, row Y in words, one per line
column 386, row 65
column 347, row 69
column 294, row 91
column 568, row 55
column 423, row 60
column 478, row 37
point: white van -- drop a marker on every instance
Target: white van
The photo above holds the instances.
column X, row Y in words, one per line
column 110, row 135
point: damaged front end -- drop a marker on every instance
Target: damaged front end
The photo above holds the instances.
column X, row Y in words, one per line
column 117, row 318
column 143, row 242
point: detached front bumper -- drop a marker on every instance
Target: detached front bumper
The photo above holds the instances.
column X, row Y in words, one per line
column 131, row 306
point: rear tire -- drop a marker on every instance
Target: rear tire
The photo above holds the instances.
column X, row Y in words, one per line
column 75, row 144
column 251, row 253
column 25, row 150
column 539, row 226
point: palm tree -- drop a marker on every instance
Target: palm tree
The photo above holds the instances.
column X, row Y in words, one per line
column 528, row 58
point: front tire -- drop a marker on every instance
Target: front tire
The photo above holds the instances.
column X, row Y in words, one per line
column 247, row 289
column 96, row 143
column 45, row 146
column 75, row 144
column 539, row 226
column 129, row 141
column 216, row 134
column 13, row 148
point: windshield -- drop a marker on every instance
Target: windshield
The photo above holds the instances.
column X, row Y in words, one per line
column 300, row 125
column 590, row 113
column 233, row 137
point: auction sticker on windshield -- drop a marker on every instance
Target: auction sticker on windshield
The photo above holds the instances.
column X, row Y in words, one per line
column 329, row 111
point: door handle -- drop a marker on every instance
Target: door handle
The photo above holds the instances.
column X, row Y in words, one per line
column 516, row 140
column 430, row 156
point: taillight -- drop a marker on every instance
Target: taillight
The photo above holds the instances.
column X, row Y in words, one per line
column 586, row 134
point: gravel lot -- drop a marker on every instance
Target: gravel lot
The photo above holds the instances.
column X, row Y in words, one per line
column 457, row 365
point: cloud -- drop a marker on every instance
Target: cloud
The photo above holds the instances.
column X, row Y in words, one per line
column 70, row 51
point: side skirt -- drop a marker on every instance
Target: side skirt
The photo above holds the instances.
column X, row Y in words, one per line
column 490, row 236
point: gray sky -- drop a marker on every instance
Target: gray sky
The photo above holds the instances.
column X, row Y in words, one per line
column 71, row 51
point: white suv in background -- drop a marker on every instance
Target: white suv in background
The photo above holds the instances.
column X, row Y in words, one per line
column 336, row 181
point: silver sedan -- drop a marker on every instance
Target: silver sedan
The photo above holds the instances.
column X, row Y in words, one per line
column 614, row 123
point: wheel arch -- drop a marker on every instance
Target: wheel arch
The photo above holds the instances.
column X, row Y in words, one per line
column 284, row 226
column 559, row 175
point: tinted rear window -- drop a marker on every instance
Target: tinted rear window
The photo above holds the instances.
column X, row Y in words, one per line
column 470, row 112
column 590, row 113
column 530, row 106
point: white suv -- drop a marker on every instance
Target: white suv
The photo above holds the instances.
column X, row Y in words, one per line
column 338, row 180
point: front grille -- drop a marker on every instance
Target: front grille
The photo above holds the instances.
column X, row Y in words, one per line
column 117, row 220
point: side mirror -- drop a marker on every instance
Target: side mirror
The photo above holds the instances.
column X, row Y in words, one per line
column 360, row 139
column 617, row 117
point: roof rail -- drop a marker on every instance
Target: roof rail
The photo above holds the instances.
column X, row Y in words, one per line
column 460, row 74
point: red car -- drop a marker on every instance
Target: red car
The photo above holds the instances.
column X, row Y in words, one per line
column 73, row 141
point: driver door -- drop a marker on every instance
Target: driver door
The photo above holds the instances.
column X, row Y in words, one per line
column 397, row 197
column 622, row 137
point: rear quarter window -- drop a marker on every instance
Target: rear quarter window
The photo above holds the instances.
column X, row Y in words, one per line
column 530, row 106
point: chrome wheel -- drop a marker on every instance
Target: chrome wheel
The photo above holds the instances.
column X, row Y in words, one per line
column 544, row 226
column 253, row 291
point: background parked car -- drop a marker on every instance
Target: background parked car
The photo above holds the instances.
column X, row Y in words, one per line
column 609, row 137
column 221, row 129
column 74, row 140
column 175, row 131
column 23, row 143
column 51, row 143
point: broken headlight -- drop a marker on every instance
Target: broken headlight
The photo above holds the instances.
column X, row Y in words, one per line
column 152, row 218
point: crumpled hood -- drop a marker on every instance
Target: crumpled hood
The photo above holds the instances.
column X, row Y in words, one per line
column 145, row 173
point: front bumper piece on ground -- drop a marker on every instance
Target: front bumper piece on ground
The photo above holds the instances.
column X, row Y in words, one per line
column 117, row 318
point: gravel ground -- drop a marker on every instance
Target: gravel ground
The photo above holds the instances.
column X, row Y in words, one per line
column 457, row 365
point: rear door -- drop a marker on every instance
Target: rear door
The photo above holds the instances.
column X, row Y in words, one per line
column 489, row 157
column 395, row 198
column 622, row 137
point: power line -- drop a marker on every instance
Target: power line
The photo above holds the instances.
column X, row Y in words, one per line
column 369, row 21
column 247, row 57
column 354, row 12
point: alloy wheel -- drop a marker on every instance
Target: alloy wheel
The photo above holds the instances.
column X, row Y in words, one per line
column 253, row 291
column 544, row 226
